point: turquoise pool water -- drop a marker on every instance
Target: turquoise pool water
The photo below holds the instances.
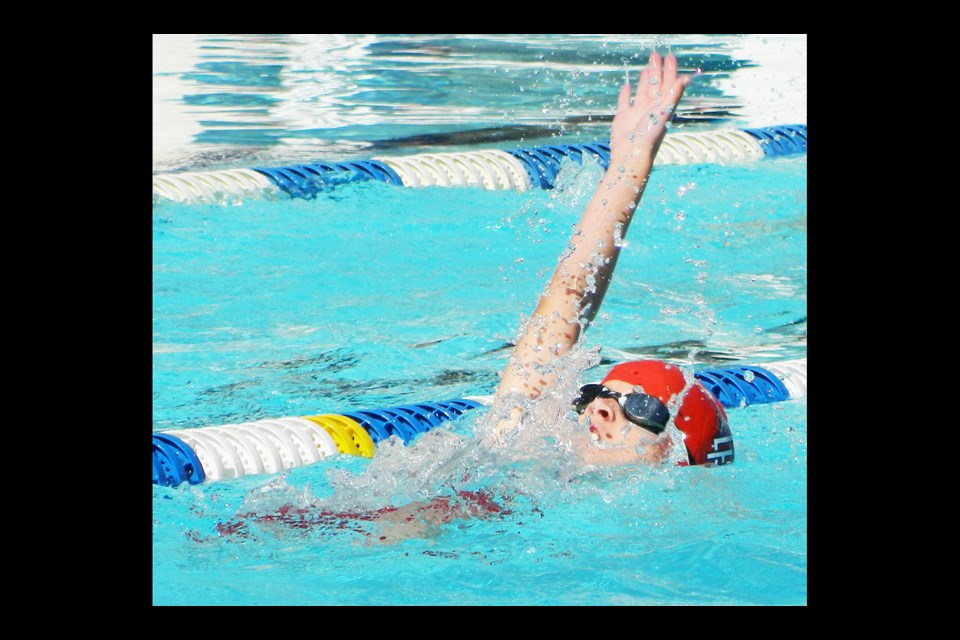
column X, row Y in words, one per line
column 372, row 296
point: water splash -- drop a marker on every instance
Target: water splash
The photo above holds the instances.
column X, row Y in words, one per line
column 575, row 182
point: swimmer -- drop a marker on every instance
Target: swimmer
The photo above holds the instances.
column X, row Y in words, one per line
column 629, row 410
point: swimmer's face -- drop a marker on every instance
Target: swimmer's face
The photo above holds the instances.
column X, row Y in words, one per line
column 617, row 439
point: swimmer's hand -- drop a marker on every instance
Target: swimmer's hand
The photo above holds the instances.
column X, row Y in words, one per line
column 506, row 426
column 641, row 119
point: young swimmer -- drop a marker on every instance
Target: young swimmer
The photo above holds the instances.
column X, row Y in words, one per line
column 629, row 411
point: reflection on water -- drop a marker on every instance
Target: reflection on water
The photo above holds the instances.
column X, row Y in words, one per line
column 236, row 100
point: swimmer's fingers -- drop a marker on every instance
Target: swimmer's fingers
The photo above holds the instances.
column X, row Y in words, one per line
column 642, row 83
column 673, row 83
column 653, row 84
column 623, row 101
column 669, row 70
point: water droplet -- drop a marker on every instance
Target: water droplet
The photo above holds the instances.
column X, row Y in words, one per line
column 749, row 376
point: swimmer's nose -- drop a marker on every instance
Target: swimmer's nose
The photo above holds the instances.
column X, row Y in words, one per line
column 602, row 418
column 599, row 409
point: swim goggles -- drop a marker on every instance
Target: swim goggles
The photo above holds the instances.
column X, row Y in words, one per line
column 640, row 408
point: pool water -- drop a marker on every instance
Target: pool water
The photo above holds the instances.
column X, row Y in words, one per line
column 372, row 295
column 698, row 537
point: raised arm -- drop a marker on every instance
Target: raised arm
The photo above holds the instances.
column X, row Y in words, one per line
column 573, row 294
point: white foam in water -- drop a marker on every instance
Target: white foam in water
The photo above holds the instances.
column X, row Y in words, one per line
column 539, row 459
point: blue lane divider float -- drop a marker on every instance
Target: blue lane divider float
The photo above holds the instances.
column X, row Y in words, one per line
column 305, row 180
column 740, row 386
column 408, row 421
column 781, row 141
column 175, row 462
column 275, row 445
column 517, row 169
column 543, row 163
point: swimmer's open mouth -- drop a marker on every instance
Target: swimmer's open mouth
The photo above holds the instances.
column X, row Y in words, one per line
column 594, row 434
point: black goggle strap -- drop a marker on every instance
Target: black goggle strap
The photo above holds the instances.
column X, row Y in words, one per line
column 589, row 393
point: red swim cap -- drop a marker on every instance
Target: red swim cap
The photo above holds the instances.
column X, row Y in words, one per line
column 700, row 416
